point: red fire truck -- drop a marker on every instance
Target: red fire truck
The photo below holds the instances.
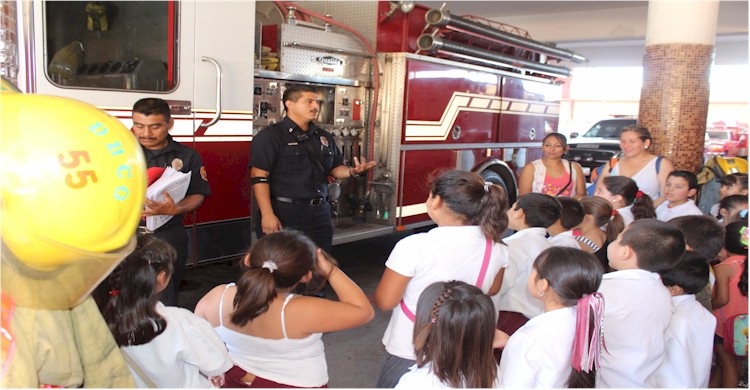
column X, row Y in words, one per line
column 416, row 89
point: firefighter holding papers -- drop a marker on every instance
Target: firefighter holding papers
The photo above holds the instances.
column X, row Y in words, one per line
column 73, row 183
column 152, row 122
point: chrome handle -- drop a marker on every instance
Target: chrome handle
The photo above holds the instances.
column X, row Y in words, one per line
column 219, row 76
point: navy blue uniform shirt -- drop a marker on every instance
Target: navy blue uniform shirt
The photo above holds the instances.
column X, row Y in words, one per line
column 279, row 149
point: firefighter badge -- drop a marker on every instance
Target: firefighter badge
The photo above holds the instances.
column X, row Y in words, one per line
column 324, row 141
column 177, row 164
column 204, row 175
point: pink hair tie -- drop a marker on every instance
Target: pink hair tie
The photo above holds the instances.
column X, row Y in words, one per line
column 639, row 194
column 586, row 351
column 114, row 293
column 614, row 212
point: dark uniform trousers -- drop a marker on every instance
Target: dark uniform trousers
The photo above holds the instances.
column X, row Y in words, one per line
column 177, row 236
column 314, row 221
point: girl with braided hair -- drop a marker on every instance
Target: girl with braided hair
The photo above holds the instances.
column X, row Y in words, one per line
column 453, row 332
column 166, row 347
column 273, row 335
column 471, row 216
column 560, row 347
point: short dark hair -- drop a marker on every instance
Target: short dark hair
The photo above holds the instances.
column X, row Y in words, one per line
column 688, row 176
column 572, row 212
column 153, row 106
column 690, row 273
column 732, row 201
column 657, row 244
column 294, row 92
column 702, row 233
column 735, row 178
column 540, row 210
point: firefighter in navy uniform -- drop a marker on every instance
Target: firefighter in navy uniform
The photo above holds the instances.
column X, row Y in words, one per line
column 290, row 162
column 151, row 124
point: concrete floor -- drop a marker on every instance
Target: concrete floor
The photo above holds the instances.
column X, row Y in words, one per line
column 354, row 356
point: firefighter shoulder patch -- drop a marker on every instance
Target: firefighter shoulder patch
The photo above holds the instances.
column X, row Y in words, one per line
column 204, row 175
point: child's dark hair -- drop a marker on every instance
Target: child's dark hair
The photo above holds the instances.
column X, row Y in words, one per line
column 454, row 327
column 130, row 310
column 540, row 210
column 277, row 262
column 735, row 178
column 658, row 245
column 701, row 233
column 571, row 213
column 736, row 243
column 688, row 176
column 153, row 106
column 690, row 273
column 732, row 201
column 572, row 274
column 478, row 203
column 604, row 215
column 643, row 205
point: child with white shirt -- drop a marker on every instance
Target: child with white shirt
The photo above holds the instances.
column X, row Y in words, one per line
column 629, row 201
column 639, row 307
column 690, row 336
column 165, row 347
column 446, row 310
column 530, row 216
column 680, row 187
column 561, row 232
column 560, row 347
column 466, row 245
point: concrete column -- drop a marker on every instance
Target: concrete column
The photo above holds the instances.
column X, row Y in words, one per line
column 674, row 98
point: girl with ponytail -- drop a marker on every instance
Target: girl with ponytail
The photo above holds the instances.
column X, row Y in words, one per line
column 166, row 347
column 601, row 225
column 471, row 216
column 273, row 335
column 560, row 347
column 630, row 202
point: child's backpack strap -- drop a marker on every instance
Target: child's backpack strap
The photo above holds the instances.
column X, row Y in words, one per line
column 658, row 164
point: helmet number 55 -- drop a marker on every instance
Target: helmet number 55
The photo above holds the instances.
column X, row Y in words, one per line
column 75, row 160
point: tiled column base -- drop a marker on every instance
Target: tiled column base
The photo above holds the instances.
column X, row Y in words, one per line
column 674, row 101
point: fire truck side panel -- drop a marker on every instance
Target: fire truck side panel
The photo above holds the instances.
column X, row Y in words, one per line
column 420, row 164
column 530, row 109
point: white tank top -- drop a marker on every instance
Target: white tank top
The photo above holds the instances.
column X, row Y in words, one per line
column 647, row 178
column 295, row 362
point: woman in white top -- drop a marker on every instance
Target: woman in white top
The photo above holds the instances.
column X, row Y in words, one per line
column 165, row 347
column 471, row 216
column 649, row 171
column 560, row 347
column 273, row 336
column 553, row 175
column 453, row 338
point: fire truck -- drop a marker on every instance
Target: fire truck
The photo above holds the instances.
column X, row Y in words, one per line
column 416, row 89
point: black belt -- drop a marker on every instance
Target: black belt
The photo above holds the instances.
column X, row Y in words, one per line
column 312, row 202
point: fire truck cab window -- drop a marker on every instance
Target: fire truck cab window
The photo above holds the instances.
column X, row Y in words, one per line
column 114, row 45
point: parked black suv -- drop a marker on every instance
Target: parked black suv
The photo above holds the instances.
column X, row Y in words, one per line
column 599, row 144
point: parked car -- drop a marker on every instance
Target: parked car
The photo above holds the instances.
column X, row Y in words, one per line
column 724, row 143
column 597, row 145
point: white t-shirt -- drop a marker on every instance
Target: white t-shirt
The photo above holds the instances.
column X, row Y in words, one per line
column 627, row 214
column 637, row 312
column 523, row 248
column 564, row 239
column 442, row 254
column 421, row 378
column 184, row 355
column 538, row 354
column 665, row 213
column 689, row 345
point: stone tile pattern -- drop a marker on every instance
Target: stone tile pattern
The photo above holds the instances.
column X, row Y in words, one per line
column 674, row 100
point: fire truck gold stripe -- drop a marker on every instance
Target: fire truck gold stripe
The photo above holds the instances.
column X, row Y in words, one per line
column 412, row 210
column 418, row 130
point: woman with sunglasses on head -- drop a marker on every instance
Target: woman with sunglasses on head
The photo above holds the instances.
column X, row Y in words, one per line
column 636, row 162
